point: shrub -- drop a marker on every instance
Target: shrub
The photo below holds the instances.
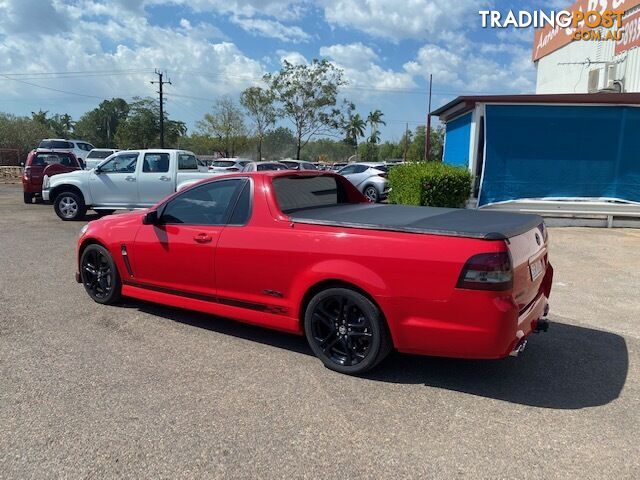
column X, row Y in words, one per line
column 431, row 184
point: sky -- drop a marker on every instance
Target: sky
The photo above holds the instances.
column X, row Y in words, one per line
column 65, row 56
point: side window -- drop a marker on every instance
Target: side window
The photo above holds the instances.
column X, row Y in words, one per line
column 155, row 163
column 125, row 163
column 360, row 168
column 208, row 204
column 187, row 162
column 348, row 170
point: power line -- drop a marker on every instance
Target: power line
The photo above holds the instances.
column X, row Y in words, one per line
column 52, row 89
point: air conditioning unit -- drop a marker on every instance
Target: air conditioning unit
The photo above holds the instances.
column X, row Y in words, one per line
column 594, row 81
column 610, row 75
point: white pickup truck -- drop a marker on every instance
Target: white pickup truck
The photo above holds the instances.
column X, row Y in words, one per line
column 125, row 180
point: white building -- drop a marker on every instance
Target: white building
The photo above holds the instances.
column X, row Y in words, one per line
column 565, row 65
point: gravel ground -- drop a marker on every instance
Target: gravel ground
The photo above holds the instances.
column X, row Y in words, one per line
column 145, row 391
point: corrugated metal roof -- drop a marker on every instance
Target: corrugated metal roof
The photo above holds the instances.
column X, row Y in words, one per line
column 465, row 103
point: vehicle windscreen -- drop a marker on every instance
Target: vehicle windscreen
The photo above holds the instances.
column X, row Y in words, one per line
column 46, row 159
column 299, row 193
column 55, row 144
column 99, row 153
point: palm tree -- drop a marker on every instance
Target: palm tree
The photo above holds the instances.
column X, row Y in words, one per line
column 354, row 128
column 374, row 119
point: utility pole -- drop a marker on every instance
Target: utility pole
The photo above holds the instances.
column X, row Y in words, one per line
column 160, row 83
column 427, row 143
column 406, row 140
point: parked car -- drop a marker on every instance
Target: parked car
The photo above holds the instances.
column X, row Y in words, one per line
column 264, row 166
column 127, row 179
column 41, row 163
column 337, row 166
column 306, row 253
column 370, row 178
column 97, row 155
column 79, row 148
column 298, row 164
column 227, row 165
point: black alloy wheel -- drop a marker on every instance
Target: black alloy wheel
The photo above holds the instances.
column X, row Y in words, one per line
column 99, row 275
column 346, row 331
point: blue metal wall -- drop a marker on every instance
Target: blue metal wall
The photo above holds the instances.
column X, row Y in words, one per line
column 456, row 145
column 537, row 151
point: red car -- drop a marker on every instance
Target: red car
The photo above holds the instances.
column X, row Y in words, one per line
column 305, row 252
column 44, row 162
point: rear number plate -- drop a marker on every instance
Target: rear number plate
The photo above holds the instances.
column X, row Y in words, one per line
column 536, row 269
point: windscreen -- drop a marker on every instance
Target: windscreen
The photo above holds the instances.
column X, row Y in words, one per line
column 55, row 144
column 298, row 193
column 99, row 153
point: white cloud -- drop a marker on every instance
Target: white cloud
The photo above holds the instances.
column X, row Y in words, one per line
column 271, row 29
column 400, row 19
column 475, row 68
column 295, row 58
column 364, row 74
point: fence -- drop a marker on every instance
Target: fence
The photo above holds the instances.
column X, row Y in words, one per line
column 9, row 157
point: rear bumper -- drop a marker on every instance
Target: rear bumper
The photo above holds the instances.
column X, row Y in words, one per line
column 473, row 324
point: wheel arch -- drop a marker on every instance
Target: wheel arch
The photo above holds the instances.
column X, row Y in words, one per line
column 327, row 283
column 67, row 188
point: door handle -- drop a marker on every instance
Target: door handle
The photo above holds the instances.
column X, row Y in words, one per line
column 164, row 178
column 202, row 238
column 130, row 179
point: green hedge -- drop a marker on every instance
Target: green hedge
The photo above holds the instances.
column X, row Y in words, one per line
column 431, row 184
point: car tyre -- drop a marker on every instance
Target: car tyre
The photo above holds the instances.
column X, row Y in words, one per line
column 28, row 197
column 371, row 193
column 70, row 206
column 346, row 331
column 100, row 276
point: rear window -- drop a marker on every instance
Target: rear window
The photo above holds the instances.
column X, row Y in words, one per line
column 187, row 162
column 45, row 159
column 271, row 166
column 55, row 144
column 298, row 193
column 223, row 163
column 99, row 153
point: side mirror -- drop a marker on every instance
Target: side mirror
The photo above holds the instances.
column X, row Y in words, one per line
column 97, row 171
column 150, row 218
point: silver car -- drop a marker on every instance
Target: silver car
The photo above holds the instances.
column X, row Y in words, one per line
column 264, row 166
column 369, row 178
column 222, row 165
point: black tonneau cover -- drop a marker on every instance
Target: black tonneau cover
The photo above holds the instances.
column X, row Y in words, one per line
column 455, row 222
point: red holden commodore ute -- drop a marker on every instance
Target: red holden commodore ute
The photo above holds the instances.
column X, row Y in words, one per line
column 305, row 252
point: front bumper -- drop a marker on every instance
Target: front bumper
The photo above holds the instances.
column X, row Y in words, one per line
column 45, row 194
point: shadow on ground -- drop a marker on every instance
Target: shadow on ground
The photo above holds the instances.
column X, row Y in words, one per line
column 569, row 367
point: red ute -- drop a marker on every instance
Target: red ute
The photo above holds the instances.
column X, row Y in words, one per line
column 44, row 162
column 304, row 252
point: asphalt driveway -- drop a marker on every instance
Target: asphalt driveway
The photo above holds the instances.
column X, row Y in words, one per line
column 145, row 391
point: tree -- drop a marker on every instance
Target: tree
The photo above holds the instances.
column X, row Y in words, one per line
column 354, row 129
column 259, row 104
column 99, row 125
column 279, row 143
column 21, row 133
column 225, row 123
column 416, row 149
column 374, row 120
column 307, row 95
column 141, row 128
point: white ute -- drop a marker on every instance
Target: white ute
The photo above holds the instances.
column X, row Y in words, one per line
column 125, row 180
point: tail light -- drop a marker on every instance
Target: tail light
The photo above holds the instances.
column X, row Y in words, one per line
column 543, row 230
column 487, row 271
column 27, row 173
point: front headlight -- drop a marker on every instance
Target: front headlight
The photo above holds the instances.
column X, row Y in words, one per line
column 45, row 182
column 83, row 230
